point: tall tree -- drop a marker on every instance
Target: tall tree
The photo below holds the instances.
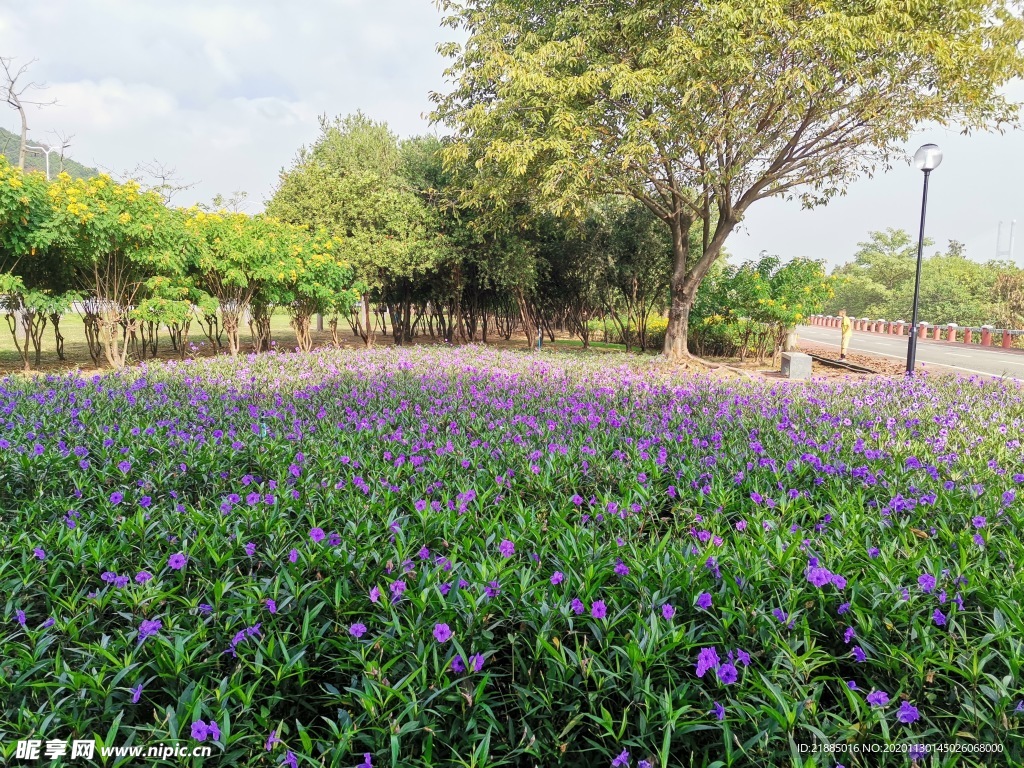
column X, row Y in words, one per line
column 349, row 186
column 701, row 108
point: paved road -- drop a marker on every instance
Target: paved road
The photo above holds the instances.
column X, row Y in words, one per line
column 990, row 362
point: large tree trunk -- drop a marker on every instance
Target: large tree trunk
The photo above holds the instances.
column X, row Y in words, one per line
column 686, row 279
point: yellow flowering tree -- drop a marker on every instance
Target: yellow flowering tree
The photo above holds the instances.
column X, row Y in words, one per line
column 115, row 237
column 34, row 285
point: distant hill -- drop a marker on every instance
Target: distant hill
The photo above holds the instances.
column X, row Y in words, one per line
column 34, row 161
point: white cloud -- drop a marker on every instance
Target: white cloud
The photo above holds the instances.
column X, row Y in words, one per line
column 224, row 91
column 107, row 105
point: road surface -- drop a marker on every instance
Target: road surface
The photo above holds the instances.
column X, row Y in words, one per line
column 991, row 361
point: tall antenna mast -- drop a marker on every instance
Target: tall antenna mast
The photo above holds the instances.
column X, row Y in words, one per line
column 1007, row 252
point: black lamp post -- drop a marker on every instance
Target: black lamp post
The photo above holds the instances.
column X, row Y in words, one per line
column 927, row 159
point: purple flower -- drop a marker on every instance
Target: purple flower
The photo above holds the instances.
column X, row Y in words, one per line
column 917, row 752
column 149, row 628
column 851, row 685
column 874, row 552
column 458, row 667
column 858, row 654
column 20, row 616
column 979, row 521
column 707, row 660
column 136, row 693
column 271, row 605
column 200, row 730
column 719, row 711
column 621, row 569
column 849, row 634
column 668, row 612
column 727, row 674
column 250, row 549
column 271, row 741
column 442, row 633
column 176, row 561
column 317, row 535
column 704, row 600
column 577, row 606
column 506, row 548
column 334, row 540
column 598, row 609
column 290, row 760
column 357, row 630
column 557, row 578
column 878, row 698
column 843, row 609
column 205, row 609
column 622, row 761
column 477, row 661
column 40, row 553
column 48, row 623
column 819, row 576
column 907, row 713
column 939, row 618
column 143, row 576
column 293, row 556
column 374, row 594
column 116, row 497
column 780, row 615
column 926, row 582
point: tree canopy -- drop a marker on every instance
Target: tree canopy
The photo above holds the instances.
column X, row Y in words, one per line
column 879, row 283
column 698, row 109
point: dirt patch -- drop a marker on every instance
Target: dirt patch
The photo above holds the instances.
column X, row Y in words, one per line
column 883, row 365
column 768, row 369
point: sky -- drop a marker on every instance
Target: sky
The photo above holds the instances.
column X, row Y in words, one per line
column 226, row 91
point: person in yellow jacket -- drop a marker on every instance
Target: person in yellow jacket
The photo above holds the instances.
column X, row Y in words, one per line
column 847, row 330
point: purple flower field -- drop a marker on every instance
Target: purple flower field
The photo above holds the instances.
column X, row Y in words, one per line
column 435, row 557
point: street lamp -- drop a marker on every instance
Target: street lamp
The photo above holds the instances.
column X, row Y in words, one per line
column 927, row 159
column 46, row 152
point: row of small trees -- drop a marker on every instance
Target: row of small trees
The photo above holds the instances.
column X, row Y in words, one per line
column 362, row 228
column 133, row 266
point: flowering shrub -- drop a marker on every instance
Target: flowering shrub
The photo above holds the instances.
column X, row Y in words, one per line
column 470, row 557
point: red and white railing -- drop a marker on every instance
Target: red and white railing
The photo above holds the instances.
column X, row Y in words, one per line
column 986, row 335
